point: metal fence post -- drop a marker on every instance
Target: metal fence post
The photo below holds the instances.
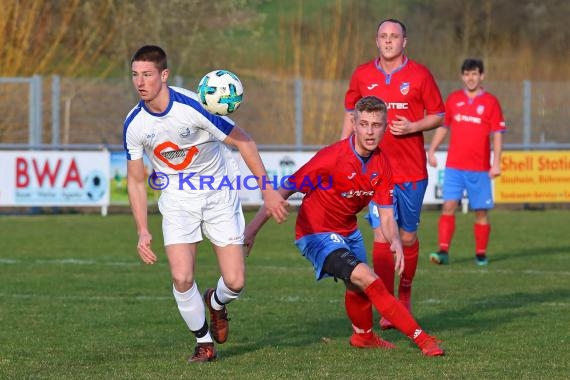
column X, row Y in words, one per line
column 527, row 112
column 55, row 109
column 31, row 112
column 35, row 133
column 299, row 113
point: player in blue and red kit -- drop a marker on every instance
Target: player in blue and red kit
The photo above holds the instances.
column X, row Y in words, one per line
column 472, row 115
column 414, row 105
column 338, row 182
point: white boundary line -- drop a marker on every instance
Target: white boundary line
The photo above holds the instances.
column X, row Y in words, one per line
column 88, row 298
column 75, row 261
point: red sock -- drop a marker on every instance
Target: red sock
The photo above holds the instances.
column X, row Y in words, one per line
column 359, row 311
column 482, row 232
column 410, row 265
column 446, row 230
column 383, row 261
column 392, row 309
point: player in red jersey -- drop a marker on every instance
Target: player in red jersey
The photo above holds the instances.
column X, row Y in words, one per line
column 414, row 105
column 472, row 115
column 338, row 182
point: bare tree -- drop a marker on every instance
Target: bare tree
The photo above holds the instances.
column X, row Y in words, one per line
column 44, row 37
column 65, row 37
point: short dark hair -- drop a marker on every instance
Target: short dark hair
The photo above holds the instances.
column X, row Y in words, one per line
column 151, row 53
column 370, row 104
column 472, row 64
column 396, row 21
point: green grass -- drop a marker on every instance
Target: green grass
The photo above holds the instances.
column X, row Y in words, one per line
column 75, row 303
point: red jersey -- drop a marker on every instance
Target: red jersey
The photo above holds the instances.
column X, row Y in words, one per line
column 338, row 184
column 471, row 121
column 409, row 91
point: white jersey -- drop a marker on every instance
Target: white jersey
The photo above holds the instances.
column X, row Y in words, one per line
column 184, row 142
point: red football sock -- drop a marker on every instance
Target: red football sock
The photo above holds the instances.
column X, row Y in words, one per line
column 410, row 265
column 359, row 311
column 446, row 230
column 383, row 261
column 482, row 232
column 392, row 309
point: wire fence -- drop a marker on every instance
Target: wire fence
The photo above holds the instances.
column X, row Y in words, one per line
column 280, row 112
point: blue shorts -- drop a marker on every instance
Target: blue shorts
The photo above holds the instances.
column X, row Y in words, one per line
column 477, row 184
column 317, row 247
column 408, row 201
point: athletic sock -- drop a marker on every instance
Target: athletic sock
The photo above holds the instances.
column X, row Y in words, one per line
column 193, row 312
column 446, row 228
column 482, row 232
column 223, row 295
column 392, row 309
column 383, row 261
column 420, row 336
column 410, row 264
column 359, row 311
column 203, row 334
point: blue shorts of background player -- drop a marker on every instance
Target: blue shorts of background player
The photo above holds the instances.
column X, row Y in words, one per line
column 408, row 201
column 317, row 247
column 478, row 185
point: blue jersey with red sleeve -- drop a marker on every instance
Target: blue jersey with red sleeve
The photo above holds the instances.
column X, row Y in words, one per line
column 471, row 121
column 409, row 91
column 338, row 184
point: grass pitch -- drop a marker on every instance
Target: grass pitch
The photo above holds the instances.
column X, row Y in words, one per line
column 76, row 302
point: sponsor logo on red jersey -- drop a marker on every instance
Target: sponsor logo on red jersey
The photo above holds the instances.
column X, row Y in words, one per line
column 466, row 118
column 397, row 106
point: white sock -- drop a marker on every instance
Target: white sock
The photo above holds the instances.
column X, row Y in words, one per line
column 192, row 310
column 223, row 294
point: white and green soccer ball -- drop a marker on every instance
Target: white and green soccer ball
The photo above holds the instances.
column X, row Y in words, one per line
column 220, row 92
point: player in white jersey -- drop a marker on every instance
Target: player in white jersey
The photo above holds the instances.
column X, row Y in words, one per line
column 185, row 145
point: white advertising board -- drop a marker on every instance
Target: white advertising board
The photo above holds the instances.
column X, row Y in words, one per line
column 54, row 178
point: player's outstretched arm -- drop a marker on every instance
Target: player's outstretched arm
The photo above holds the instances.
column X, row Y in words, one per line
column 392, row 234
column 274, row 202
column 262, row 216
column 253, row 227
column 136, row 187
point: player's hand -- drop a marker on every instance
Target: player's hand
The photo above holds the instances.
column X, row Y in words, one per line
column 432, row 159
column 396, row 247
column 143, row 247
column 276, row 206
column 401, row 126
column 248, row 239
column 494, row 172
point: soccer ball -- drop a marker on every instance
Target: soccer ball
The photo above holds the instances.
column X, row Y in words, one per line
column 220, row 92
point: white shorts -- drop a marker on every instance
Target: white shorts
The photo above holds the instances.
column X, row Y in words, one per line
column 217, row 213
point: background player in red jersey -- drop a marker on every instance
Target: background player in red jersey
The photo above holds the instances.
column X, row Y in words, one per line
column 472, row 114
column 338, row 182
column 414, row 105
